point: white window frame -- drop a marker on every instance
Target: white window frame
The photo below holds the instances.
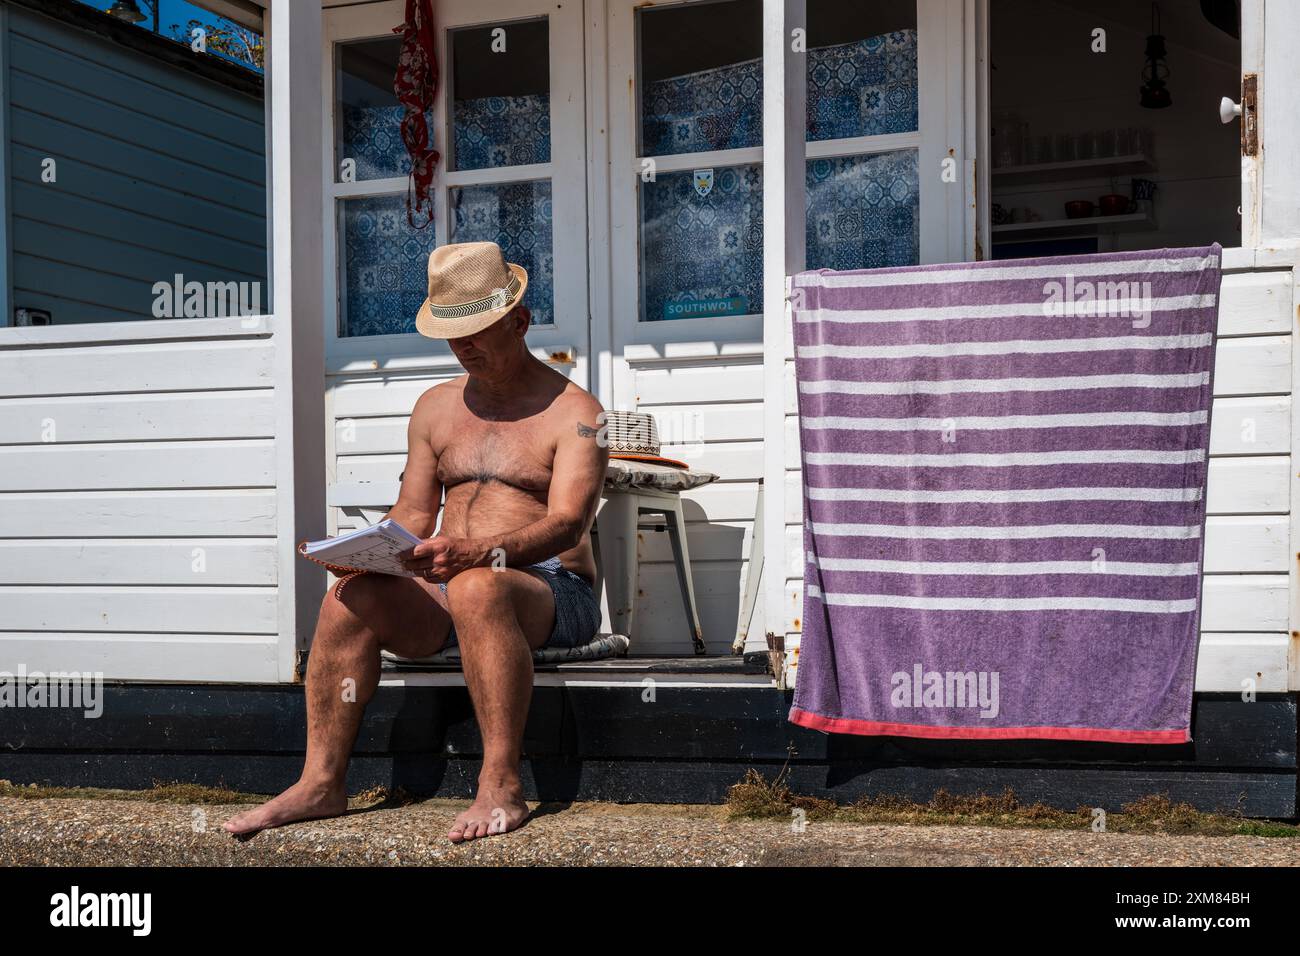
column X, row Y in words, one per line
column 566, row 171
column 940, row 125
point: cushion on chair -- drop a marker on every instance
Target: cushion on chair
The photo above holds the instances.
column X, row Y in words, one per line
column 598, row 648
column 624, row 475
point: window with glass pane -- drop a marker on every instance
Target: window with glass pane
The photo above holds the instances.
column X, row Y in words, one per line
column 517, row 217
column 862, row 78
column 501, row 102
column 702, row 255
column 863, row 208
column 384, row 275
column 701, row 77
column 701, row 222
column 382, row 257
column 501, row 118
column 368, row 115
column 862, row 211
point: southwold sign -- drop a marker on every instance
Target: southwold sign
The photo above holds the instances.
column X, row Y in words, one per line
column 702, row 308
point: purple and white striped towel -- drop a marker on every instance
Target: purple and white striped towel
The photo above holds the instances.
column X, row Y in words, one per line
column 1004, row 495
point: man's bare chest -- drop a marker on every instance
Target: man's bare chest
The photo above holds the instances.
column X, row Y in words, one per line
column 516, row 453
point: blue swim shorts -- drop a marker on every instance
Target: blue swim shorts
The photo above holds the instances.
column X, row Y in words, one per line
column 577, row 609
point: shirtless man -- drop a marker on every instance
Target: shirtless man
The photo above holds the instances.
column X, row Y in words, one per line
column 514, row 444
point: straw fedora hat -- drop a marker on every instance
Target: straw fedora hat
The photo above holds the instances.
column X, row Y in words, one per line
column 470, row 286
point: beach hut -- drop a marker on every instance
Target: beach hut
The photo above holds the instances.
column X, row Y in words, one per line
column 661, row 169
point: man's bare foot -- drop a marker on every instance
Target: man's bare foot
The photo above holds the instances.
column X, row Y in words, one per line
column 496, row 809
column 302, row 801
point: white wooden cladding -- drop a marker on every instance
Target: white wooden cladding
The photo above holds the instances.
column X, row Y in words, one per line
column 138, row 610
column 1248, row 556
column 136, row 417
column 137, row 367
column 104, row 465
column 119, row 561
column 710, row 415
column 240, row 512
column 137, row 502
column 185, row 657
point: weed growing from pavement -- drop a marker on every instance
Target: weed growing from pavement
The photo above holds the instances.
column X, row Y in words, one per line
column 756, row 797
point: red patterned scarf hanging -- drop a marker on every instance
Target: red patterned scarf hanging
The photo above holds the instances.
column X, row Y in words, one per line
column 415, row 84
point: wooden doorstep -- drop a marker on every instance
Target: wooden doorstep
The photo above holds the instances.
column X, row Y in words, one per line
column 750, row 664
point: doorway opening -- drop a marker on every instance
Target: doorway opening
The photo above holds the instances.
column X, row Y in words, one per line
column 1106, row 133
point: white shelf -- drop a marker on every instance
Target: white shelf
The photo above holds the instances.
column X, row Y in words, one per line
column 1086, row 226
column 1073, row 170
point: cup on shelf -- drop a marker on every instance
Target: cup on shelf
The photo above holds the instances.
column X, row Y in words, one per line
column 1144, row 193
column 1143, row 189
column 1106, row 142
column 1078, row 209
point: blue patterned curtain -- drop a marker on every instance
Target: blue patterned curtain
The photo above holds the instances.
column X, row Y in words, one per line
column 702, row 254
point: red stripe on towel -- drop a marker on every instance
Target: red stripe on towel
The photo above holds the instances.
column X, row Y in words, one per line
column 846, row 725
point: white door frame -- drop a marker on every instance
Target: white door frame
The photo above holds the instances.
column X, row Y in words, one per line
column 566, row 170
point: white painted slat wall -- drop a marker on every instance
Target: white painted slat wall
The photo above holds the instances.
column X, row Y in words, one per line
column 366, row 416
column 717, row 410
column 137, row 501
column 1246, row 591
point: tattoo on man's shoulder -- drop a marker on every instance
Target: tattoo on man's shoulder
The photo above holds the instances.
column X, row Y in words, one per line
column 586, row 431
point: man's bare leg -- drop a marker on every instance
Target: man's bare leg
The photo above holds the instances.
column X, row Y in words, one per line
column 500, row 616
column 342, row 674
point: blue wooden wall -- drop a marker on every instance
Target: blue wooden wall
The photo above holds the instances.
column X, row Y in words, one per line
column 159, row 171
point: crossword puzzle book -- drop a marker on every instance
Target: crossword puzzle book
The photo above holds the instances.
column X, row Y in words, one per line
column 369, row 549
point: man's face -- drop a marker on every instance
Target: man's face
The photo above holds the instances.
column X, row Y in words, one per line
column 489, row 349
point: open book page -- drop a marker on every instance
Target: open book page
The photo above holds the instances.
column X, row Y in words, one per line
column 368, row 549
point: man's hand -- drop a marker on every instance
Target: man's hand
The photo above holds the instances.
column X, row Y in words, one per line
column 441, row 558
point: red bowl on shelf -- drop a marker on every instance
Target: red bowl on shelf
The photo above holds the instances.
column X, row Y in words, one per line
column 1078, row 209
column 1116, row 204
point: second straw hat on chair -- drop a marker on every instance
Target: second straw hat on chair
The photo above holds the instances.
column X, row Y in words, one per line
column 633, row 436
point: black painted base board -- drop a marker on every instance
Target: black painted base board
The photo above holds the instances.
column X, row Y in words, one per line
column 688, row 745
